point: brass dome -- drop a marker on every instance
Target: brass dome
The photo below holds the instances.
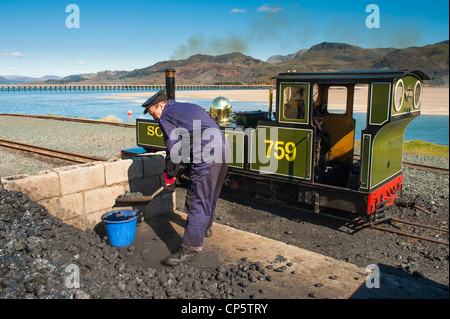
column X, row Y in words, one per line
column 221, row 109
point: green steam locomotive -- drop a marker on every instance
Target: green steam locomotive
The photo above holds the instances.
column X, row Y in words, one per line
column 303, row 150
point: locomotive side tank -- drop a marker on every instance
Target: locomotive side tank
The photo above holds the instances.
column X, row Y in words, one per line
column 305, row 151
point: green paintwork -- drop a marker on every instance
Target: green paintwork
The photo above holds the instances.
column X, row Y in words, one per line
column 289, row 151
column 387, row 151
column 379, row 109
column 149, row 134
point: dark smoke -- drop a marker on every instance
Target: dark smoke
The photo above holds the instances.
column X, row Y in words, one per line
column 264, row 28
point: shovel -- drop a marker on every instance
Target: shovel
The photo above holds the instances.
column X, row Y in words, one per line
column 147, row 199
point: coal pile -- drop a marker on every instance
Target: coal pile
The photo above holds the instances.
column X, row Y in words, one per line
column 43, row 257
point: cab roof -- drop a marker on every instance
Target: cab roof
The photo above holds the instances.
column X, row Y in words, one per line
column 356, row 76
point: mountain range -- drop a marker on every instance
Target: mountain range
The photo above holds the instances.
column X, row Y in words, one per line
column 237, row 68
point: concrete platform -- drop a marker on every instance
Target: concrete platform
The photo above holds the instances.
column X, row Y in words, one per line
column 311, row 275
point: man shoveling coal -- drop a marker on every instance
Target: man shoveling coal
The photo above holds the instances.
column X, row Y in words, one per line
column 191, row 136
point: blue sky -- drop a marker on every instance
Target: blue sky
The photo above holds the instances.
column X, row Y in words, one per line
column 126, row 35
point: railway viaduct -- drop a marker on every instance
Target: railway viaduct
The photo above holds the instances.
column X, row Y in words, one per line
column 84, row 88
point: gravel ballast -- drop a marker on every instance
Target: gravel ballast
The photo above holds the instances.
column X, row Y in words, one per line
column 394, row 253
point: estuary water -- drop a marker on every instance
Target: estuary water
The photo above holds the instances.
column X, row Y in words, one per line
column 97, row 105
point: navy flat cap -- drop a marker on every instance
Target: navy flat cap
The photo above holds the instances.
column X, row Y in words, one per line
column 158, row 97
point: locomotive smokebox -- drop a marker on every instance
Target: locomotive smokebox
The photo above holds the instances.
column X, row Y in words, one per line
column 170, row 83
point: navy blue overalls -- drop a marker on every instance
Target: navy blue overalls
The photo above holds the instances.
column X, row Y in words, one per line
column 207, row 154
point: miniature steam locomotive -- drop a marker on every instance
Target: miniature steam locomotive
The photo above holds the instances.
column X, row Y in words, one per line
column 304, row 150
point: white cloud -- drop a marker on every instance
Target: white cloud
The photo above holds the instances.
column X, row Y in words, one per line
column 15, row 54
column 80, row 63
column 238, row 11
column 9, row 68
column 265, row 8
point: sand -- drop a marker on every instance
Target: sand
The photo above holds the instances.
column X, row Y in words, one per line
column 435, row 101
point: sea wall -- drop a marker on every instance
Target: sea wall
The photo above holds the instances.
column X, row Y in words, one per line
column 80, row 194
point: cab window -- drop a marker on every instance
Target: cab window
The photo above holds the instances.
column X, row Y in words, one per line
column 337, row 100
column 294, row 102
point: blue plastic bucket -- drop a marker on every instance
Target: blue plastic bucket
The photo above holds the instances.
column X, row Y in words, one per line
column 120, row 227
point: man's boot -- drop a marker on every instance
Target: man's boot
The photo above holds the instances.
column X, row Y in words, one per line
column 181, row 256
column 208, row 232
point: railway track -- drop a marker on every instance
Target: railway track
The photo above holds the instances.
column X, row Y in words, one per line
column 437, row 169
column 70, row 119
column 414, row 230
column 71, row 157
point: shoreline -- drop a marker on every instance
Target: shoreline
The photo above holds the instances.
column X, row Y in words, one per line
column 435, row 101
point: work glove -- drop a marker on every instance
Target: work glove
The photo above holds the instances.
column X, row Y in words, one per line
column 169, row 181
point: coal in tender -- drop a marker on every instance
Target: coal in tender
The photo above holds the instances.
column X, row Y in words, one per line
column 43, row 257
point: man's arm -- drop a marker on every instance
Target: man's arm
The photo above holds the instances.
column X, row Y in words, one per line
column 166, row 128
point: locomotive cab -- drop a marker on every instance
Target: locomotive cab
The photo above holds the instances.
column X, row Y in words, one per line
column 324, row 103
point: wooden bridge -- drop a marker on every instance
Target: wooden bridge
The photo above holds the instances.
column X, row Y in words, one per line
column 85, row 88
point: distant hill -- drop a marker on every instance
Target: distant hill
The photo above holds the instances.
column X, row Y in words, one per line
column 237, row 68
column 16, row 79
column 431, row 59
column 334, row 57
column 206, row 69
column 5, row 81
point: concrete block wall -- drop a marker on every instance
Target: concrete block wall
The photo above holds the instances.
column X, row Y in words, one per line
column 80, row 194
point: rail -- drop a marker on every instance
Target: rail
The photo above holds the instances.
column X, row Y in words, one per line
column 72, row 157
column 69, row 119
column 441, row 170
column 412, row 235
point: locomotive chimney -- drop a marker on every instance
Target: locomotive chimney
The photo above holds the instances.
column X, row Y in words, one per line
column 170, row 83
